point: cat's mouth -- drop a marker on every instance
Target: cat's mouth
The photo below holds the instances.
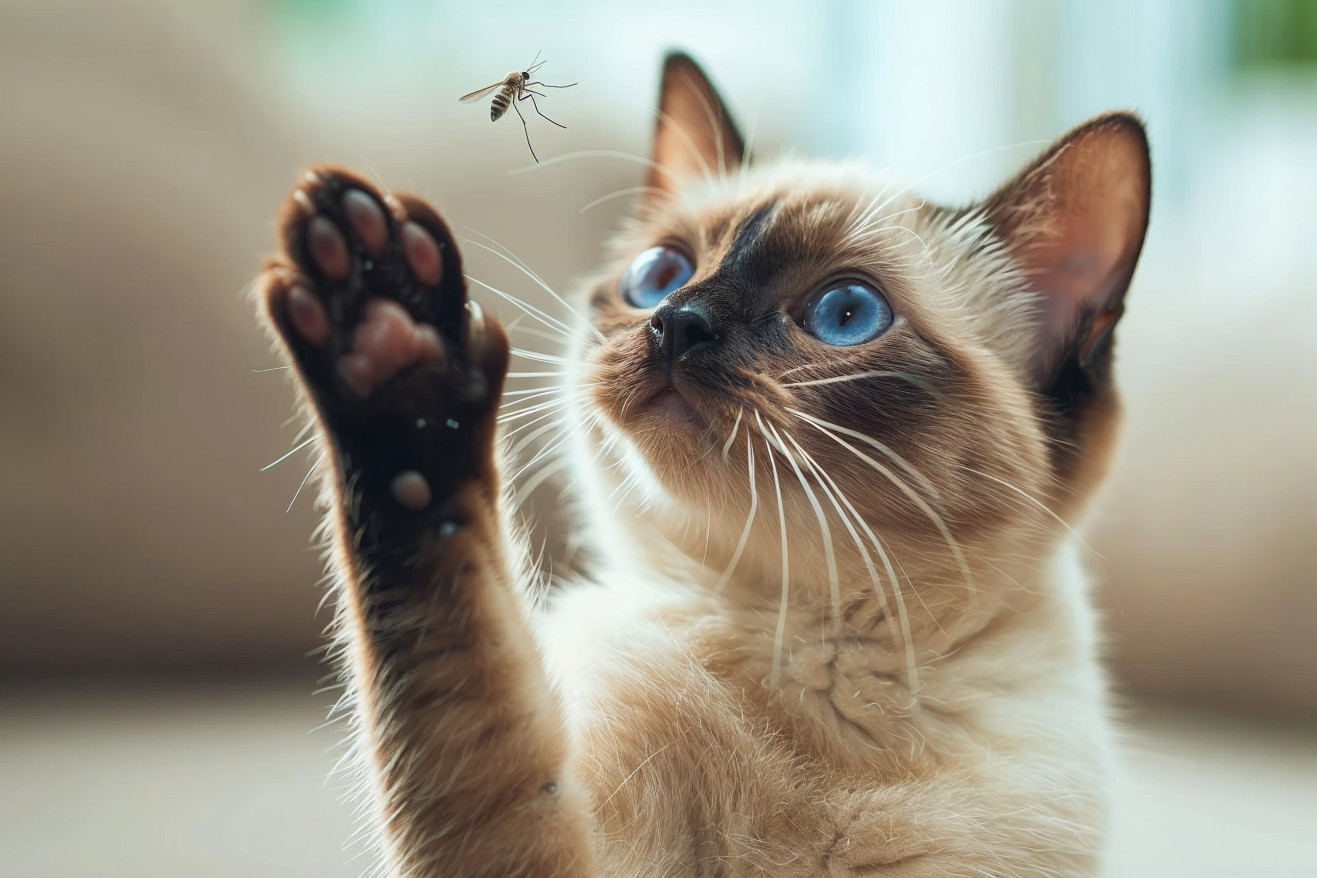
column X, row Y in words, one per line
column 673, row 405
column 648, row 399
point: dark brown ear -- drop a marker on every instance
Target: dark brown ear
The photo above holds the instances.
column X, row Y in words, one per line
column 1074, row 221
column 695, row 136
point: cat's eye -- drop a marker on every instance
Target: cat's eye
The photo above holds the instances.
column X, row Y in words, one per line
column 847, row 313
column 654, row 274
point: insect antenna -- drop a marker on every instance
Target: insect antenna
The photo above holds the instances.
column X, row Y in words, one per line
column 530, row 82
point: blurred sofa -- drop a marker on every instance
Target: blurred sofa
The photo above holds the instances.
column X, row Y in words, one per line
column 143, row 151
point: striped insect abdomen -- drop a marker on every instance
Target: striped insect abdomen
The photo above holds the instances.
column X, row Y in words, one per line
column 500, row 105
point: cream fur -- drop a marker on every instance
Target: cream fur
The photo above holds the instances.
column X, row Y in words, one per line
column 701, row 757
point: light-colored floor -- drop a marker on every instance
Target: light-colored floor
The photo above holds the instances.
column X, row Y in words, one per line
column 230, row 780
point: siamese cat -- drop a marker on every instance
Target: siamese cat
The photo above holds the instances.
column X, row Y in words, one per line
column 828, row 439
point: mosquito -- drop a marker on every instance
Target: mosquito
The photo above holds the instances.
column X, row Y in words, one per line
column 517, row 86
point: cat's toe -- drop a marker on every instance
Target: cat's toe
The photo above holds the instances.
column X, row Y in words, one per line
column 328, row 248
column 307, row 315
column 367, row 219
column 422, row 253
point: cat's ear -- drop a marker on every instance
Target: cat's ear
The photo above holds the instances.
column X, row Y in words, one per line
column 1074, row 221
column 695, row 135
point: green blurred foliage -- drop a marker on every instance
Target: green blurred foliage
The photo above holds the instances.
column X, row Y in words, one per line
column 1274, row 34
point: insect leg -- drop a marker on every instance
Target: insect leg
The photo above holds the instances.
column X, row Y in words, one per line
column 531, row 95
column 527, row 130
column 546, row 85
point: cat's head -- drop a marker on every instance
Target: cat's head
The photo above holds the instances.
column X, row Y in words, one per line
column 927, row 378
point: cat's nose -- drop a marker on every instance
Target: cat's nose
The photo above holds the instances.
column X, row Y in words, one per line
column 682, row 329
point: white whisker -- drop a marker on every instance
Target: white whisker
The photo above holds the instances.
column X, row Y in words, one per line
column 751, row 132
column 512, row 259
column 547, row 319
column 529, row 439
column 315, row 463
column 531, row 330
column 296, row 448
column 882, row 449
column 915, row 184
column 905, row 489
column 549, row 469
column 539, row 357
column 541, row 391
column 902, row 633
column 633, row 773
column 599, row 154
column 749, row 519
column 727, row 446
column 552, row 404
column 547, row 451
column 780, row 634
column 928, row 254
column 1036, row 502
column 829, row 555
column 858, row 376
column 622, row 193
column 509, row 434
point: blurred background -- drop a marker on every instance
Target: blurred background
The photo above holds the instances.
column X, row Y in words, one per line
column 158, row 598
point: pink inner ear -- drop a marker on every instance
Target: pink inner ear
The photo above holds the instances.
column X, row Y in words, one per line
column 1076, row 270
column 1088, row 203
column 695, row 136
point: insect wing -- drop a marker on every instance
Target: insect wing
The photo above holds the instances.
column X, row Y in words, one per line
column 479, row 93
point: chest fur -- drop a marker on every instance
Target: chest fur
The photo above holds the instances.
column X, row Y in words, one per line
column 690, row 758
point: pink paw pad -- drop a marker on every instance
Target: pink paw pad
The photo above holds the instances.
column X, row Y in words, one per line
column 387, row 341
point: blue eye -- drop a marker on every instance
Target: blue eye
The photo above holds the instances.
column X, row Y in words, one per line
column 655, row 273
column 848, row 313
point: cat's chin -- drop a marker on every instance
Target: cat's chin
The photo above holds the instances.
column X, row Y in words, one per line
column 671, row 406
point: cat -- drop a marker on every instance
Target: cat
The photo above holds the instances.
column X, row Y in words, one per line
column 827, row 438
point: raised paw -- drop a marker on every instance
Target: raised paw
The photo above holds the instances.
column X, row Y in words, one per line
column 404, row 371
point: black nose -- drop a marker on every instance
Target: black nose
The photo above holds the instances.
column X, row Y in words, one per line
column 682, row 329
